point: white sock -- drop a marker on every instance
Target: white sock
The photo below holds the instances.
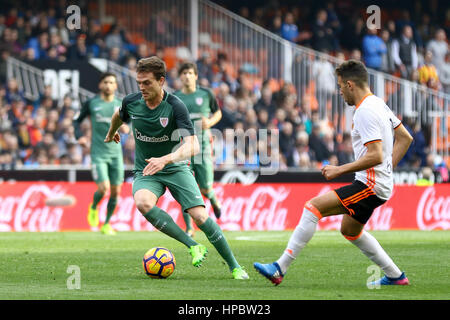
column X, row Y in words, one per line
column 373, row 250
column 301, row 236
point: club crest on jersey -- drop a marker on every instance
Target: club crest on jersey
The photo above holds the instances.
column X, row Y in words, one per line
column 199, row 101
column 164, row 121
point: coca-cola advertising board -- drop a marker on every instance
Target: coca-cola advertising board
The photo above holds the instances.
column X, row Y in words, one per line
column 257, row 206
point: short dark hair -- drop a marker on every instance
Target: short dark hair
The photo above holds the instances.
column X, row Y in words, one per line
column 154, row 65
column 187, row 66
column 355, row 71
column 107, row 74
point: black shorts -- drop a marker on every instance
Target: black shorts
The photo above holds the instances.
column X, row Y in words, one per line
column 359, row 200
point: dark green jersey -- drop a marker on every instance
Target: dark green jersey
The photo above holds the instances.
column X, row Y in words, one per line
column 100, row 112
column 200, row 103
column 156, row 131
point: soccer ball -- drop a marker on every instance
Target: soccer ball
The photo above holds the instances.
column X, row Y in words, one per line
column 159, row 263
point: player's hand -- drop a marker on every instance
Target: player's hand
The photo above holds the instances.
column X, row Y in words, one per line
column 154, row 165
column 115, row 138
column 205, row 123
column 331, row 172
column 83, row 141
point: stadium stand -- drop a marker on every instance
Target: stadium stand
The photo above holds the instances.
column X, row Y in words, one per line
column 38, row 132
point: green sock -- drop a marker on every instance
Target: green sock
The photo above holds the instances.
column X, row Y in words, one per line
column 217, row 239
column 164, row 223
column 187, row 220
column 110, row 207
column 97, row 197
column 212, row 198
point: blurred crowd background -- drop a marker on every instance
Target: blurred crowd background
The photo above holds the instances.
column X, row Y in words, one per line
column 412, row 43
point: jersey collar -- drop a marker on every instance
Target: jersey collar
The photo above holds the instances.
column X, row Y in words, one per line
column 369, row 94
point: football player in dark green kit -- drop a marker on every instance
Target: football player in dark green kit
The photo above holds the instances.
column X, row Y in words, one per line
column 200, row 103
column 106, row 159
column 165, row 140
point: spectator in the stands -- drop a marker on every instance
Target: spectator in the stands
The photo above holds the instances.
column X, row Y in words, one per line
column 289, row 29
column 404, row 53
column 424, row 29
column 317, row 145
column 66, row 108
column 445, row 74
column 13, row 93
column 10, row 41
column 78, row 51
column 43, row 45
column 30, row 54
column 334, row 23
column 205, row 66
column 373, row 48
column 408, row 123
column 55, row 42
column 266, row 101
column 114, row 55
column 142, row 51
column 345, row 150
column 94, row 38
column 114, row 38
column 427, row 73
column 303, row 157
column 355, row 54
column 387, row 64
column 263, row 119
column 419, row 144
column 287, row 142
column 62, row 31
column 323, row 35
column 439, row 48
column 131, row 63
column 277, row 22
column 324, row 76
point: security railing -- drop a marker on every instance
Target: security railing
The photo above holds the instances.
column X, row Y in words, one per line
column 31, row 81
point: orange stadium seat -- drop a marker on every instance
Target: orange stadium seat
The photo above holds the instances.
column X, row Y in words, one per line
column 170, row 57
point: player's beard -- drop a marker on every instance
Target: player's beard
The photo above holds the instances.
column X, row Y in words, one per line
column 152, row 97
column 349, row 100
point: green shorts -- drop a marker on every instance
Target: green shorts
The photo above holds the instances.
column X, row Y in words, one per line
column 181, row 184
column 203, row 171
column 108, row 170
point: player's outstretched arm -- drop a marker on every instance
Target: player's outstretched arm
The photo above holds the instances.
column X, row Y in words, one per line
column 401, row 144
column 112, row 134
column 372, row 158
column 188, row 149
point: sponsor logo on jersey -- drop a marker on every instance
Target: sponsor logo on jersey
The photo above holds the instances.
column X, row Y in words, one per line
column 164, row 121
column 100, row 118
column 145, row 138
column 194, row 116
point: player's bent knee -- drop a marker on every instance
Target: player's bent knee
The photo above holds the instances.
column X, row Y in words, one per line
column 198, row 214
column 115, row 192
column 144, row 206
column 350, row 234
column 103, row 188
column 205, row 191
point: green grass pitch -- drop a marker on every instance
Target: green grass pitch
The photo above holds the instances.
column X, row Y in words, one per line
column 34, row 266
